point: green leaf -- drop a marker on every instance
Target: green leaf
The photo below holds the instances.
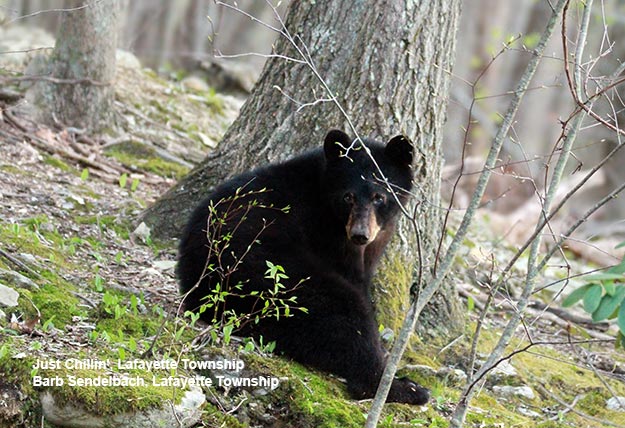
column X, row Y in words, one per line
column 605, row 277
column 84, row 174
column 572, row 298
column 4, row 351
column 122, row 180
column 227, row 333
column 470, row 304
column 592, row 298
column 621, row 319
column 609, row 287
column 619, row 268
column 608, row 305
column 134, row 184
column 621, row 245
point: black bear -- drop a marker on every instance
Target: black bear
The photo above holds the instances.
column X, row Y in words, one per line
column 325, row 216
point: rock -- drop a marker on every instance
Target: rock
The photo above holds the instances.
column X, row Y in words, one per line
column 504, row 370
column 206, row 140
column 616, row 404
column 387, row 335
column 74, row 416
column 529, row 412
column 17, row 279
column 12, row 405
column 422, row 369
column 25, row 42
column 142, row 232
column 8, row 296
column 514, row 391
column 261, row 392
column 28, row 258
column 164, row 264
column 195, row 83
column 607, row 363
column 452, row 375
column 125, row 59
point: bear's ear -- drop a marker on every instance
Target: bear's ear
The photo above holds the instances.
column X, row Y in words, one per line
column 400, row 150
column 333, row 142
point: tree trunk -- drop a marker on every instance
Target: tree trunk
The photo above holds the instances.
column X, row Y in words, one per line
column 81, row 68
column 388, row 63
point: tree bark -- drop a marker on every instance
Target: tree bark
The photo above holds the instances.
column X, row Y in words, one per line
column 77, row 88
column 388, row 63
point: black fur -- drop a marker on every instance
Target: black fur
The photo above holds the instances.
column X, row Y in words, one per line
column 323, row 239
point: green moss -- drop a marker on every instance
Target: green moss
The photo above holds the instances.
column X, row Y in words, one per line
column 55, row 301
column 15, row 370
column 17, row 392
column 391, row 293
column 11, row 169
column 164, row 168
column 138, row 155
column 136, row 326
column 313, row 399
column 552, row 424
column 318, row 400
column 102, row 400
column 488, row 411
column 213, row 417
column 58, row 163
column 208, row 99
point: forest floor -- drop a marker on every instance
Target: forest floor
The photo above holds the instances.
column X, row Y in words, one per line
column 93, row 285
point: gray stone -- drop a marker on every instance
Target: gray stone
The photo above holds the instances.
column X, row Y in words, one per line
column 28, row 258
column 529, row 412
column 142, row 232
column 186, row 414
column 8, row 296
column 126, row 59
column 616, row 404
column 504, row 370
column 17, row 279
column 514, row 391
column 422, row 369
column 387, row 335
column 452, row 375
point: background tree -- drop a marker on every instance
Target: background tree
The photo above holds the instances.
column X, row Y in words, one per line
column 78, row 85
column 388, row 65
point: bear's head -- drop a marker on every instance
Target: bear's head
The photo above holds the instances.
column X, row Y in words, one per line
column 358, row 187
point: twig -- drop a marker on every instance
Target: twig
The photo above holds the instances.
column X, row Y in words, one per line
column 459, row 414
column 26, row 50
column 5, row 80
column 603, row 422
column 575, row 87
column 40, row 12
column 20, row 264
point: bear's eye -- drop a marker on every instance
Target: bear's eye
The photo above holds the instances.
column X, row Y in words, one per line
column 349, row 198
column 378, row 199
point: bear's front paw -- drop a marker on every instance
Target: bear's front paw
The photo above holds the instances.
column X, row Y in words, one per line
column 406, row 391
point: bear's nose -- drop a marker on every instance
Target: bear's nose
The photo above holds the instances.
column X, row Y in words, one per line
column 359, row 239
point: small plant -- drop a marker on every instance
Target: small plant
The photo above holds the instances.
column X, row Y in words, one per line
column 603, row 297
column 48, row 325
column 112, row 305
column 123, row 179
column 272, row 301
